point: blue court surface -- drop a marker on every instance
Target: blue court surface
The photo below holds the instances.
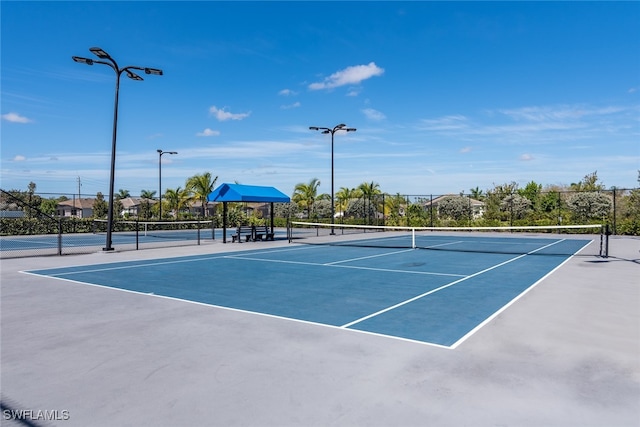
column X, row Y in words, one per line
column 433, row 297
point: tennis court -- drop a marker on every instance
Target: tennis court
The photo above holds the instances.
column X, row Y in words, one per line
column 280, row 334
column 433, row 297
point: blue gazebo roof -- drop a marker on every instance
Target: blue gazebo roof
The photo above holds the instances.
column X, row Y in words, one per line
column 247, row 193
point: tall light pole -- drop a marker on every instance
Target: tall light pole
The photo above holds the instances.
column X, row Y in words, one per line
column 106, row 59
column 160, row 153
column 332, row 131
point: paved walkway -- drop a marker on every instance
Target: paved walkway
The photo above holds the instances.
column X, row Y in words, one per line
column 566, row 354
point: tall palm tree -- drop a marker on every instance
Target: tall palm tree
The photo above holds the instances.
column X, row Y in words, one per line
column 305, row 195
column 369, row 189
column 177, row 199
column 201, row 186
column 146, row 196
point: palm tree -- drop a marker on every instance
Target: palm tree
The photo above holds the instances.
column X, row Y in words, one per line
column 305, row 195
column 369, row 189
column 394, row 205
column 146, row 196
column 122, row 194
column 476, row 193
column 344, row 195
column 202, row 186
column 177, row 199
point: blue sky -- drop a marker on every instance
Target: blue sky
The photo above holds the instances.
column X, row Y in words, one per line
column 445, row 96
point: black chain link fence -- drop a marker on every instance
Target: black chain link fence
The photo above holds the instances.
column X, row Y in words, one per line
column 25, row 230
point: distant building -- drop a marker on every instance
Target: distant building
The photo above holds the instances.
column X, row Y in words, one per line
column 78, row 208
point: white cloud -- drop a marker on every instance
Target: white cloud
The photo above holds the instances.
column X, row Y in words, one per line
column 373, row 114
column 288, row 107
column 349, row 76
column 560, row 112
column 526, row 157
column 465, row 150
column 454, row 122
column 287, row 92
column 15, row 118
column 19, row 158
column 223, row 115
column 208, row 132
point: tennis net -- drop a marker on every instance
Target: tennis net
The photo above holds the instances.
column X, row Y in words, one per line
column 172, row 230
column 586, row 240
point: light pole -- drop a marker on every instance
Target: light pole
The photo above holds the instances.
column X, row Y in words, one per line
column 333, row 130
column 108, row 60
column 160, row 153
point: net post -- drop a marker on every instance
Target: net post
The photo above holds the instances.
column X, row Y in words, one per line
column 137, row 239
column 607, row 233
column 413, row 238
column 198, row 231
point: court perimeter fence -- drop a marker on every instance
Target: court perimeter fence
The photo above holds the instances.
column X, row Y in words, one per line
column 21, row 221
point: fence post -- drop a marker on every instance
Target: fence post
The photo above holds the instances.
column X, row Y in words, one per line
column 60, row 236
column 614, row 211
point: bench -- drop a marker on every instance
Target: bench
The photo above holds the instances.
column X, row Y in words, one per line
column 262, row 233
column 243, row 230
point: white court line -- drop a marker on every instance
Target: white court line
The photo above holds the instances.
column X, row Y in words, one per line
column 510, row 303
column 133, row 263
column 239, row 310
column 386, row 270
column 367, row 257
column 392, row 253
column 121, row 267
column 400, row 304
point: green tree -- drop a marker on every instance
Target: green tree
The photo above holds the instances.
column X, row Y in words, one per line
column 477, row 193
column 122, row 194
column 454, row 207
column 305, row 195
column 494, row 198
column 202, row 185
column 369, row 190
column 145, row 206
column 177, row 199
column 589, row 205
column 344, row 196
column 394, row 208
column 517, row 206
column 588, row 183
column 49, row 206
column 532, row 192
column 100, row 206
column 32, row 200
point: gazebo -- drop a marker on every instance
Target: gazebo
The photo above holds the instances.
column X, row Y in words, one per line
column 245, row 193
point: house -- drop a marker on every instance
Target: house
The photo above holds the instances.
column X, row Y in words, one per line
column 78, row 208
column 477, row 206
column 195, row 208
